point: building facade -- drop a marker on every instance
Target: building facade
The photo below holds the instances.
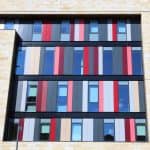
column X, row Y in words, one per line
column 75, row 74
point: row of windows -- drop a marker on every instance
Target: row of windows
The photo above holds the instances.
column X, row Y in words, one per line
column 80, row 60
column 78, row 30
column 79, row 129
column 80, row 96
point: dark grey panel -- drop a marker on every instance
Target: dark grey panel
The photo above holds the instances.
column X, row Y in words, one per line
column 98, row 130
column 135, row 31
column 37, row 130
column 68, row 60
column 55, row 32
column 91, row 60
column 141, row 96
column 77, row 96
column 41, row 60
column 58, row 126
column 86, row 32
column 103, row 31
column 117, row 60
column 51, row 96
column 25, row 31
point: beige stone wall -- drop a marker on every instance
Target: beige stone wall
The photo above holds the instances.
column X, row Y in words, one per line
column 70, row 7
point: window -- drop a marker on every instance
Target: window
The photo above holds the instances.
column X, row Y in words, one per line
column 76, row 130
column 9, row 25
column 37, row 29
column 123, row 96
column 137, row 60
column 62, row 96
column 20, row 61
column 78, row 61
column 94, row 29
column 107, row 61
column 44, row 129
column 48, row 65
column 31, row 96
column 140, row 130
column 93, row 96
column 109, row 130
column 65, row 31
column 121, row 31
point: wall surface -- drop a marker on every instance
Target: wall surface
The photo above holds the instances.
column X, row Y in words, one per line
column 70, row 7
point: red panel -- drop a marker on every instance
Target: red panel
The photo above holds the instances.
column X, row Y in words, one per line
column 114, row 30
column 53, row 129
column 70, row 94
column 116, row 97
column 72, row 32
column 127, row 130
column 42, row 96
column 81, row 34
column 61, row 59
column 21, row 126
column 95, row 60
column 129, row 60
column 125, row 63
column 46, row 31
column 101, row 96
column 86, row 61
column 56, row 60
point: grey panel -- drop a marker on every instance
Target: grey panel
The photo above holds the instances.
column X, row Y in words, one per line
column 91, row 60
column 135, row 31
column 25, row 31
column 41, row 60
column 56, row 31
column 51, row 96
column 117, row 60
column 77, row 96
column 86, row 32
column 37, row 130
column 58, row 126
column 141, row 96
column 98, row 130
column 103, row 30
column 68, row 60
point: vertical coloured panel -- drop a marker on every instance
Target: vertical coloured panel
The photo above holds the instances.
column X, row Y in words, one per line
column 61, row 63
column 37, row 130
column 87, row 129
column 131, row 96
column 116, row 96
column 128, row 30
column 53, row 129
column 77, row 96
column 100, row 60
column 132, row 130
column 41, row 96
column 56, row 60
column 86, row 60
column 51, row 96
column 103, row 30
column 85, row 96
column 114, row 30
column 81, row 27
column 110, row 30
column 65, row 130
column 21, row 125
column 70, row 96
column 76, row 30
column 135, row 31
column 72, row 31
column 58, row 129
column 119, row 130
column 108, row 96
column 28, row 132
column 91, row 60
column 101, row 96
column 95, row 59
column 55, row 31
column 46, row 31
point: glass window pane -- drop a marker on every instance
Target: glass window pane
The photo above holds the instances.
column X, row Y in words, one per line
column 121, row 37
column 62, row 108
column 76, row 132
column 37, row 27
column 65, row 37
column 62, row 91
column 31, row 108
column 45, row 129
column 94, row 37
column 32, row 91
column 65, row 27
column 121, row 27
column 36, row 37
column 109, row 131
column 93, row 107
column 9, row 25
column 94, row 27
column 141, row 131
column 93, row 94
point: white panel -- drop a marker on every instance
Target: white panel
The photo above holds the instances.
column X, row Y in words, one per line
column 87, row 129
column 85, row 96
column 131, row 97
column 119, row 130
column 76, row 31
column 100, row 60
column 27, row 60
column 128, row 31
column 2, row 25
column 23, row 98
column 108, row 96
column 109, row 30
column 28, row 132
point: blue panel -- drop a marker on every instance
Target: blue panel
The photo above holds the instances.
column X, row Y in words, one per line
column 20, row 62
column 109, row 129
column 37, row 27
column 76, row 132
column 137, row 62
column 9, row 25
column 78, row 57
column 121, row 27
column 107, row 62
column 124, row 98
column 65, row 27
column 48, row 65
column 93, row 93
column 93, row 107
